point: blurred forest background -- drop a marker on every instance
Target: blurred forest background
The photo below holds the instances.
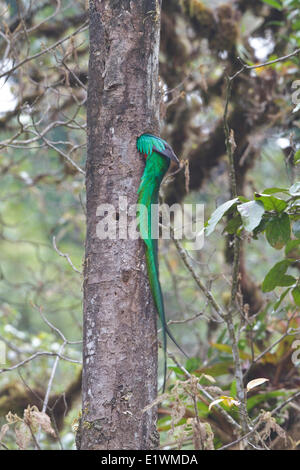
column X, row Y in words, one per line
column 43, row 83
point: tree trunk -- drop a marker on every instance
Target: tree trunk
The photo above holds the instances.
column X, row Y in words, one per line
column 120, row 345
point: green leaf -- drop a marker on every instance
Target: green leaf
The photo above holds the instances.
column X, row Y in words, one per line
column 278, row 231
column 292, row 246
column 261, row 397
column 282, row 297
column 271, row 203
column 192, row 364
column 228, row 349
column 296, row 295
column 218, row 214
column 260, row 228
column 233, row 389
column 202, row 409
column 243, row 199
column 233, row 224
column 275, row 190
column 276, row 277
column 220, row 368
column 167, row 427
column 274, row 4
column 251, row 213
column 295, row 189
column 297, row 157
column 176, row 369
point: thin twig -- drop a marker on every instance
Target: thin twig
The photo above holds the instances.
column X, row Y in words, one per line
column 264, row 64
column 65, row 255
column 38, row 354
column 82, row 28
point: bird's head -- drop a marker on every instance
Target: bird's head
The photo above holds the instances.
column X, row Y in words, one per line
column 148, row 143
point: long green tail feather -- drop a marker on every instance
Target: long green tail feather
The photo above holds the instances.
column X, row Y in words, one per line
column 156, row 167
column 158, row 300
column 153, row 274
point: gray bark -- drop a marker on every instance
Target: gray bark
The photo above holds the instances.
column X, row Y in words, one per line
column 120, row 344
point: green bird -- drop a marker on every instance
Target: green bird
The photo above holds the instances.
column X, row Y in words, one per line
column 158, row 155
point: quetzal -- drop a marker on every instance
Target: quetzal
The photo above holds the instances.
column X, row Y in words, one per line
column 158, row 155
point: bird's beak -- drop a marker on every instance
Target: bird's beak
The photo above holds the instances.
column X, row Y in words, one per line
column 174, row 158
column 169, row 153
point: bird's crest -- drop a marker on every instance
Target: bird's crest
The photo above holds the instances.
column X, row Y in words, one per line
column 146, row 142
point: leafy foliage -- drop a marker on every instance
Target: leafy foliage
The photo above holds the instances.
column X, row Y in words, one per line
column 274, row 217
